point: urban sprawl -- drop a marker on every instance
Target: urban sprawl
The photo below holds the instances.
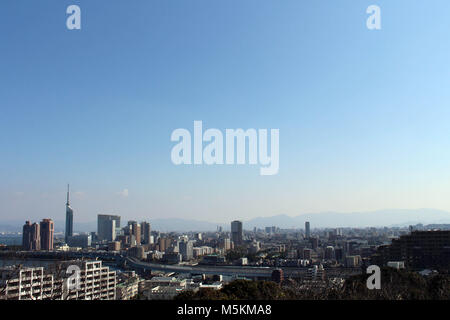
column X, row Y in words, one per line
column 132, row 261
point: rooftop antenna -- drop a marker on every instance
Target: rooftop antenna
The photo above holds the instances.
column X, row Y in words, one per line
column 68, row 186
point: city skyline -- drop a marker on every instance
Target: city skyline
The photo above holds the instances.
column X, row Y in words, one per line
column 400, row 217
column 379, row 218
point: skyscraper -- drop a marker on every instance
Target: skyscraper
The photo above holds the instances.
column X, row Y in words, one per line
column 136, row 232
column 106, row 226
column 187, row 250
column 307, row 230
column 69, row 218
column 47, row 229
column 146, row 231
column 26, row 236
column 164, row 244
column 237, row 232
column 35, row 237
column 31, row 237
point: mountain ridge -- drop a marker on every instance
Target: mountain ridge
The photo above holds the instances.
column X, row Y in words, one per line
column 330, row 219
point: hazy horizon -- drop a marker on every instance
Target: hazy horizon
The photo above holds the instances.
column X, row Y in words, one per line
column 329, row 219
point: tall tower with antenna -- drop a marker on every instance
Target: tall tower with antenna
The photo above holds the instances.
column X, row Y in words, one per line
column 69, row 217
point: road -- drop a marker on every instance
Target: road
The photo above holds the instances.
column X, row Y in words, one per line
column 248, row 272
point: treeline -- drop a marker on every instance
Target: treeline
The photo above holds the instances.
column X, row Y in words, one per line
column 237, row 290
column 395, row 285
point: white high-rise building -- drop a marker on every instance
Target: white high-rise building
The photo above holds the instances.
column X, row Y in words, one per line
column 186, row 250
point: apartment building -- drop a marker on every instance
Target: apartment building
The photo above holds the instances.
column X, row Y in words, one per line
column 95, row 282
column 27, row 284
column 128, row 290
column 419, row 249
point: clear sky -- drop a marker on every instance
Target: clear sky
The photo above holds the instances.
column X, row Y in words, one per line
column 363, row 115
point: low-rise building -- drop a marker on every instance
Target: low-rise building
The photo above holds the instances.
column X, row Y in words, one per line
column 163, row 292
column 128, row 289
column 81, row 240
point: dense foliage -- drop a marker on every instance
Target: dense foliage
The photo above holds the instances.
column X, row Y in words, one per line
column 395, row 285
column 237, row 290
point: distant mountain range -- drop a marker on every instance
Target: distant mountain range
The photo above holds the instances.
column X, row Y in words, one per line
column 378, row 218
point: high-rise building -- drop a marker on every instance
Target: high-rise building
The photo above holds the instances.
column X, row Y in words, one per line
column 31, row 236
column 146, row 232
column 69, row 218
column 47, row 229
column 106, row 227
column 26, row 236
column 35, row 237
column 164, row 244
column 307, row 230
column 237, row 234
column 186, row 250
column 136, row 232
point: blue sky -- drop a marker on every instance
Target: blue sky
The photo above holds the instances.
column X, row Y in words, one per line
column 363, row 115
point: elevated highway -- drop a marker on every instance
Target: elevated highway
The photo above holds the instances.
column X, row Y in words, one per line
column 232, row 271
